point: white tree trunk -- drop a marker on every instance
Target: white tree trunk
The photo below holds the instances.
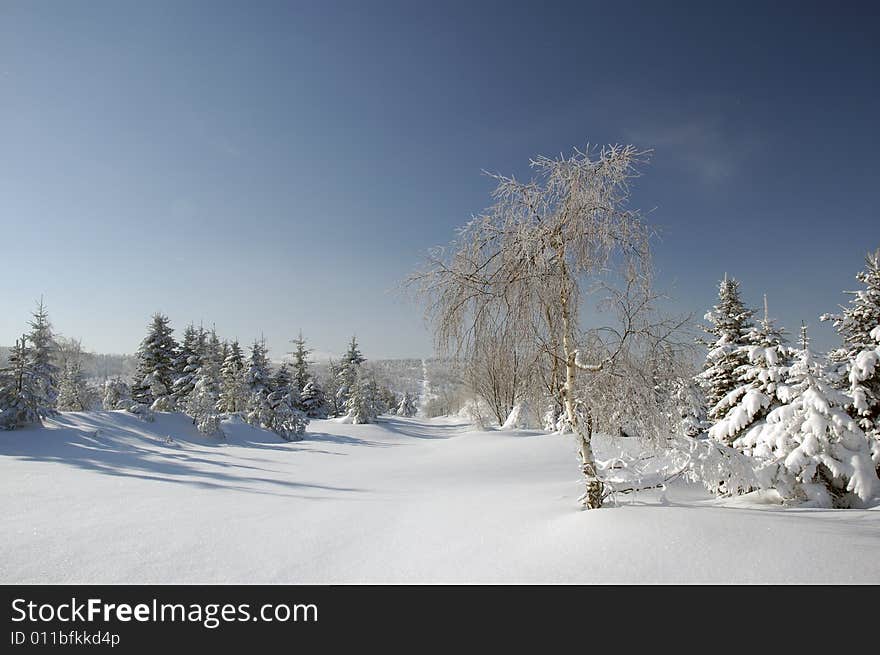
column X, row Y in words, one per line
column 592, row 498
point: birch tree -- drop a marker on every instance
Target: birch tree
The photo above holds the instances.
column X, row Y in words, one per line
column 531, row 259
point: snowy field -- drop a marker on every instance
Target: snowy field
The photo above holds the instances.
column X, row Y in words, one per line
column 102, row 498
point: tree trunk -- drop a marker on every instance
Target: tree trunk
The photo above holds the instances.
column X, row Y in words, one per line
column 592, row 498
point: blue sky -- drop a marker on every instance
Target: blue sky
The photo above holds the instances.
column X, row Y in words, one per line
column 277, row 166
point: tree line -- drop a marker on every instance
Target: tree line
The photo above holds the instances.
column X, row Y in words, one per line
column 207, row 378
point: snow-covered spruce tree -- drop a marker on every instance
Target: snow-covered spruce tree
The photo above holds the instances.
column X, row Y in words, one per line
column 282, row 379
column 691, row 405
column 529, row 261
column 857, row 325
column 284, row 417
column 40, row 354
column 864, row 374
column 19, row 404
column 201, row 403
column 347, row 373
column 233, row 387
column 155, row 375
column 213, row 355
column 407, row 406
column 312, row 400
column 331, row 390
column 117, row 394
column 767, row 360
column 363, row 404
column 301, row 371
column 74, row 392
column 188, row 363
column 730, row 323
column 258, row 381
column 388, row 400
column 814, row 450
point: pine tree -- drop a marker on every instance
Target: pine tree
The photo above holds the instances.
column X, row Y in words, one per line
column 758, row 379
column 233, row 389
column 347, row 372
column 363, row 404
column 864, row 373
column 301, row 372
column 74, row 393
column 858, row 373
column 284, row 418
column 214, row 355
column 312, row 400
column 19, row 405
column 155, row 375
column 332, row 390
column 188, row 363
column 729, row 326
column 117, row 395
column 40, row 354
column 819, row 452
column 201, row 403
column 283, row 379
column 407, row 406
column 258, row 385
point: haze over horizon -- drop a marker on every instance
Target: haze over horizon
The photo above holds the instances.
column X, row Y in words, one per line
column 282, row 166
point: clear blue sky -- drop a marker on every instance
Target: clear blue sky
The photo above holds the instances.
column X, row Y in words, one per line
column 271, row 166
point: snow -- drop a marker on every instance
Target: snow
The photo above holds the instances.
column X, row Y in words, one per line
column 102, row 498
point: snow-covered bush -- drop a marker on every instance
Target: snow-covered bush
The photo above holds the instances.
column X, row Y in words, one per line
column 143, row 412
column 521, row 417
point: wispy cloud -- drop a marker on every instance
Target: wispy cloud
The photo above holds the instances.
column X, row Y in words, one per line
column 704, row 146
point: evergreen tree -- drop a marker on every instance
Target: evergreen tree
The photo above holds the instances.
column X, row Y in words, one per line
column 856, row 321
column 864, row 372
column 258, row 385
column 74, row 393
column 117, row 395
column 758, row 379
column 364, row 403
column 347, row 372
column 19, row 403
column 301, row 372
column 816, row 451
column 233, row 389
column 40, row 354
column 201, row 404
column 283, row 379
column 332, row 390
column 729, row 327
column 312, row 400
column 407, row 406
column 283, row 417
column 388, row 400
column 155, row 375
column 857, row 326
column 188, row 363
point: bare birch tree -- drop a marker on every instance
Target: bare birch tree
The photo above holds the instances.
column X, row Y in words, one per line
column 529, row 260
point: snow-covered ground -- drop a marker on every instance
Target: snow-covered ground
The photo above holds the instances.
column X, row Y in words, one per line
column 102, row 498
